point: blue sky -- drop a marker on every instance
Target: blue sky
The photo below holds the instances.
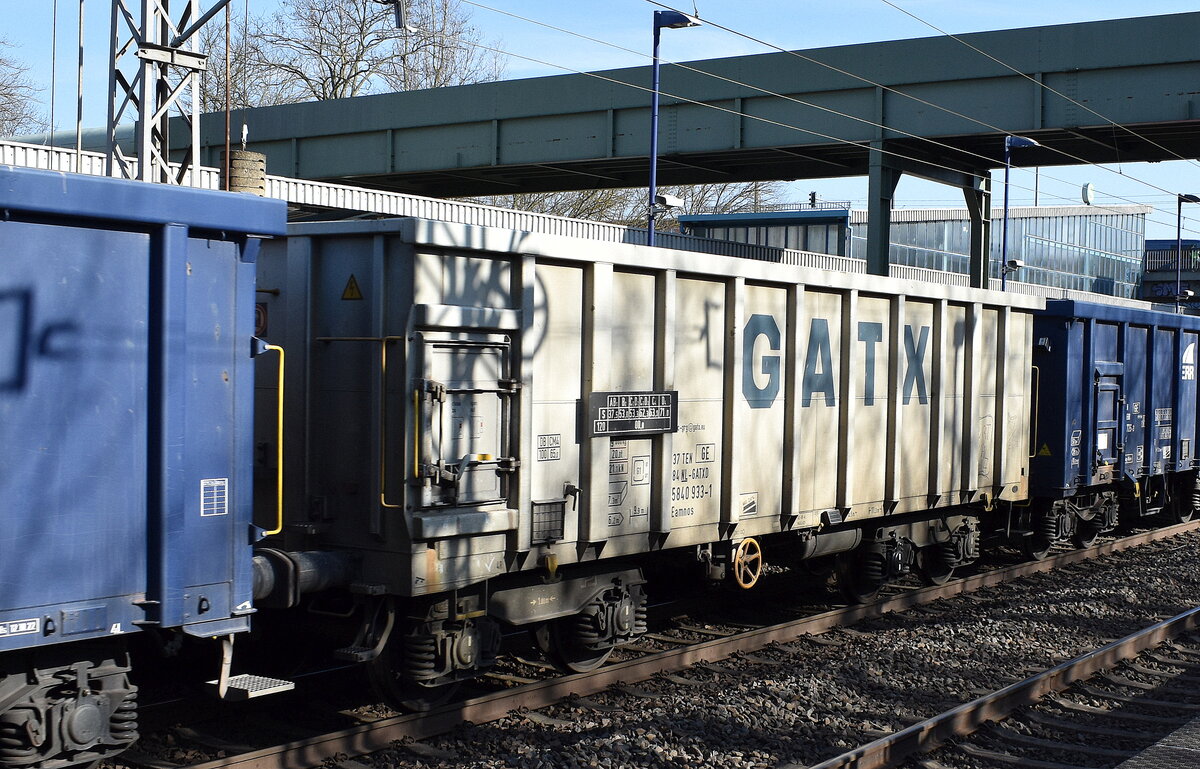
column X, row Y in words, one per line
column 626, row 24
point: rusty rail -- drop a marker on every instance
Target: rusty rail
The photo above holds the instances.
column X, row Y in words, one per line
column 417, row 726
column 966, row 719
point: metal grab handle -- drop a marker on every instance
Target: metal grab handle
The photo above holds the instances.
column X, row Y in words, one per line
column 383, row 411
column 278, row 446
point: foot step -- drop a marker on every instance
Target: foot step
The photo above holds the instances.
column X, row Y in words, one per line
column 246, row 687
column 356, row 653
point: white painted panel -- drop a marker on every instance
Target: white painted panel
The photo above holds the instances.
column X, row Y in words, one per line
column 699, row 377
column 760, row 397
column 558, row 329
column 820, row 375
column 917, row 391
column 629, row 465
column 868, row 349
column 954, row 377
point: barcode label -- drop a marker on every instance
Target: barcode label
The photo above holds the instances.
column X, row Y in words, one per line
column 214, row 497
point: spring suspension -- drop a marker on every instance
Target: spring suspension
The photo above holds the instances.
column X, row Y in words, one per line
column 1196, row 495
column 15, row 745
column 123, row 723
column 948, row 555
column 1048, row 526
column 588, row 628
column 640, row 625
column 420, row 656
column 874, row 568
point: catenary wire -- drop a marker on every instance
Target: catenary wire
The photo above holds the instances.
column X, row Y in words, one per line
column 808, row 104
column 919, row 100
column 925, row 102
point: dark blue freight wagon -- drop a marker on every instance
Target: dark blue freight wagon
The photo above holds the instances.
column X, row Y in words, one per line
column 126, row 389
column 1114, row 435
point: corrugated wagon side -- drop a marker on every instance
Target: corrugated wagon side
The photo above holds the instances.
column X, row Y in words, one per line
column 126, row 315
column 1115, row 431
column 505, row 427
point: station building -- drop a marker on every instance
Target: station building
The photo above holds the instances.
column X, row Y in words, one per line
column 1085, row 248
column 1164, row 271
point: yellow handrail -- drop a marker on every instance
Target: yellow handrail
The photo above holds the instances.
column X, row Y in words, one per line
column 279, row 447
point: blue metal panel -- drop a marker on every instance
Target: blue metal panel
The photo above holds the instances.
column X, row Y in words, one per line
column 125, row 405
column 1117, row 387
column 1137, row 425
column 1162, row 400
column 1184, row 449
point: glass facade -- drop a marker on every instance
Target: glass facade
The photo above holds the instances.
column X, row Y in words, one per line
column 1070, row 248
column 824, row 238
column 1084, row 248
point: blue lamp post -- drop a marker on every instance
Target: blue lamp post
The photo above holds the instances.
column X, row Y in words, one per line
column 670, row 20
column 1009, row 143
column 1180, row 199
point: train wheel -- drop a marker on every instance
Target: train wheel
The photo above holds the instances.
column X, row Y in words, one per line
column 391, row 681
column 932, row 564
column 1184, row 502
column 560, row 640
column 856, row 581
column 747, row 563
column 1035, row 547
column 1086, row 533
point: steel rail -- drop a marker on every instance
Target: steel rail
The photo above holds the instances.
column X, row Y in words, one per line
column 380, row 734
column 966, row 719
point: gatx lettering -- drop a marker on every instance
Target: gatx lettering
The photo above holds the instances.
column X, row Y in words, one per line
column 762, row 369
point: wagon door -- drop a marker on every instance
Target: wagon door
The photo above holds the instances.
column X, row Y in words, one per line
column 463, row 418
column 1109, row 420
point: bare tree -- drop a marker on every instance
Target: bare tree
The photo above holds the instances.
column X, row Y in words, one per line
column 19, row 107
column 628, row 206
column 441, row 48
column 251, row 85
column 334, row 49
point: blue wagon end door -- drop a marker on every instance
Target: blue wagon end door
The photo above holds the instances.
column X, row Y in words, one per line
column 1110, row 418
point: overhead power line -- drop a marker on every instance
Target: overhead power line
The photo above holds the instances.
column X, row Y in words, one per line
column 919, row 100
column 799, row 101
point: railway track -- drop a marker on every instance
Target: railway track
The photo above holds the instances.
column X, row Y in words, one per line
column 668, row 653
column 1095, row 710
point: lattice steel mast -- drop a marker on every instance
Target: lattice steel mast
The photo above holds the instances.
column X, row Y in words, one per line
column 154, row 72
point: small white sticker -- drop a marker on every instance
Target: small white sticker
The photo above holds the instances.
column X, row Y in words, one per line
column 214, row 498
column 20, row 627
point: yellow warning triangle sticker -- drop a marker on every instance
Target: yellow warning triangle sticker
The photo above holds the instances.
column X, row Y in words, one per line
column 352, row 291
column 1045, row 452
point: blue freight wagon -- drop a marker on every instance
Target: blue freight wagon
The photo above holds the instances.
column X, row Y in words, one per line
column 1114, row 435
column 126, row 389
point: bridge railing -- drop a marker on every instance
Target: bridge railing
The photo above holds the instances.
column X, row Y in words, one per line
column 324, row 195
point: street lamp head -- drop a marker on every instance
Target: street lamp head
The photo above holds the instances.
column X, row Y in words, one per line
column 674, row 20
column 1185, row 198
column 1011, row 142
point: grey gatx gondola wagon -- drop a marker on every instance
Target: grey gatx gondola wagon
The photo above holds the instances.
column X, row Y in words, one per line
column 500, row 425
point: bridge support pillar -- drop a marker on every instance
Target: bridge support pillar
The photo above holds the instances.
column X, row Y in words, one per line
column 979, row 206
column 889, row 161
column 883, row 178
